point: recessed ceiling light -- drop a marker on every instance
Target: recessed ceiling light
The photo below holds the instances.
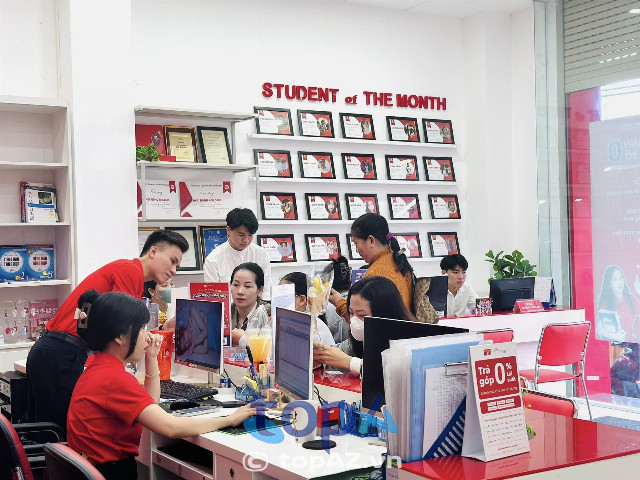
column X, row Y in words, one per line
column 634, row 10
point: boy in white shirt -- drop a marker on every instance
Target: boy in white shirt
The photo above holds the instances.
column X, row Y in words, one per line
column 461, row 298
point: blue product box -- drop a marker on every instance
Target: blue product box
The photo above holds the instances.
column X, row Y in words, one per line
column 40, row 264
column 13, row 260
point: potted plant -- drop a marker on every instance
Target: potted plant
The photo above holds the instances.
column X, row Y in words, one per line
column 511, row 265
column 147, row 154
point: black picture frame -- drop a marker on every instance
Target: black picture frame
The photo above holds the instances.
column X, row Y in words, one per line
column 445, row 131
column 170, row 147
column 274, row 123
column 397, row 125
column 353, row 213
column 367, row 166
column 352, row 122
column 275, row 247
column 413, row 209
column 282, row 198
column 331, row 206
column 437, row 212
column 446, row 173
column 323, row 123
column 412, row 163
column 203, row 150
column 332, row 251
column 276, row 158
column 211, row 237
column 406, row 241
column 320, row 157
column 191, row 258
column 447, row 237
column 353, row 253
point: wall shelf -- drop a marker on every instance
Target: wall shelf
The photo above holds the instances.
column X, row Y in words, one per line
column 350, row 141
column 20, row 224
column 32, row 165
column 35, row 283
column 187, row 113
column 15, row 104
column 197, row 166
column 344, row 181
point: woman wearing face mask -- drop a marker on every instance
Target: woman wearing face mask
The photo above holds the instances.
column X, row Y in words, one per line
column 370, row 297
column 247, row 285
column 161, row 295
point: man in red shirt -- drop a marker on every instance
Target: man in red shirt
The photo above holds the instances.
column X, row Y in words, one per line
column 56, row 360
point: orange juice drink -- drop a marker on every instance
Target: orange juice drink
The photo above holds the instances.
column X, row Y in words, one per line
column 260, row 344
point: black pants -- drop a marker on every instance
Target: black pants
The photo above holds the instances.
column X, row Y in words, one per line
column 53, row 368
column 125, row 469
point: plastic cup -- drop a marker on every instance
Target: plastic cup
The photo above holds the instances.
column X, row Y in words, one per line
column 164, row 355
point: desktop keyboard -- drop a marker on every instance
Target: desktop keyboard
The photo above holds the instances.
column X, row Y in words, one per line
column 178, row 390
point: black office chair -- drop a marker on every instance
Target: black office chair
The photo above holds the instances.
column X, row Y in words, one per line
column 64, row 463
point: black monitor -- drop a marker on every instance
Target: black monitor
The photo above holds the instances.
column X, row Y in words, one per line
column 294, row 353
column 437, row 294
column 198, row 336
column 377, row 334
column 505, row 291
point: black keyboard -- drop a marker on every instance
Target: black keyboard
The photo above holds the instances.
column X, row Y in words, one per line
column 171, row 389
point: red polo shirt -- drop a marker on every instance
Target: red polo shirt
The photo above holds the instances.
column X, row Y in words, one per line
column 101, row 421
column 120, row 276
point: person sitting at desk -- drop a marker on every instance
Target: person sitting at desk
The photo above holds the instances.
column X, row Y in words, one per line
column 370, row 297
column 461, row 297
column 247, row 285
column 161, row 295
column 341, row 283
column 109, row 407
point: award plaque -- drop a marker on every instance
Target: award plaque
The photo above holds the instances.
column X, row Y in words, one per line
column 191, row 258
column 279, row 248
column 403, row 129
column 210, row 238
column 353, row 251
column 323, row 206
column 443, row 243
column 181, row 143
column 273, row 163
column 402, row 167
column 278, row 206
column 316, row 164
column 315, row 124
column 359, row 204
column 444, row 206
column 214, row 145
column 439, row 169
column 438, row 131
column 143, row 234
column 322, row 247
column 359, row 166
column 357, row 125
column 404, row 207
column 274, row 121
column 410, row 242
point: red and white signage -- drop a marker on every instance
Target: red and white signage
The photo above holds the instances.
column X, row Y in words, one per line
column 528, row 306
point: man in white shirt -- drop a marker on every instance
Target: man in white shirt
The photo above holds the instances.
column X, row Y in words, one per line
column 461, row 298
column 239, row 248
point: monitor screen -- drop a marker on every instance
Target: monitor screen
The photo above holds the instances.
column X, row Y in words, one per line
column 437, row 294
column 377, row 333
column 505, row 292
column 198, row 337
column 294, row 353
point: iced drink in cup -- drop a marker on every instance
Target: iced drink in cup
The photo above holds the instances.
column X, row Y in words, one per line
column 259, row 341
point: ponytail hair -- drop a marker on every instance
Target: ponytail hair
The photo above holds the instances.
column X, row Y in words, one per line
column 372, row 224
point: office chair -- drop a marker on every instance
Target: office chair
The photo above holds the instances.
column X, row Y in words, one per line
column 561, row 344
column 546, row 402
column 63, row 463
column 498, row 336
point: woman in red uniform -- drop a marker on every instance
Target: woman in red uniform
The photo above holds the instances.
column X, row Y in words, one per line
column 109, row 407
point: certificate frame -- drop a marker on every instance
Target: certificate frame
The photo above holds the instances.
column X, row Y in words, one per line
column 447, row 172
column 367, row 165
column 411, row 167
column 192, row 256
column 331, row 205
column 353, row 253
column 323, row 122
column 263, row 241
column 368, row 131
column 222, row 157
column 207, row 245
column 290, row 212
column 282, row 159
column 453, row 211
column 412, row 240
column 171, row 144
column 408, row 124
column 450, row 239
column 365, row 198
column 143, row 234
column 324, row 159
column 284, row 127
column 445, row 128
column 332, row 252
column 414, row 212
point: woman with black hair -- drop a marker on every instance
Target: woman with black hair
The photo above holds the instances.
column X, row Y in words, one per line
column 615, row 296
column 247, row 285
column 109, row 407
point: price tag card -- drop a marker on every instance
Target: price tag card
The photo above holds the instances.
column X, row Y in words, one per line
column 528, row 306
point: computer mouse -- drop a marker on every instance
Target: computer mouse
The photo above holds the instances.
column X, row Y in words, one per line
column 182, row 404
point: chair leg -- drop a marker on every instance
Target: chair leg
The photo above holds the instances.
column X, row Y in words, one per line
column 586, row 396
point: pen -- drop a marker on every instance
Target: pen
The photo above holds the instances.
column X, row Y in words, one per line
column 251, row 367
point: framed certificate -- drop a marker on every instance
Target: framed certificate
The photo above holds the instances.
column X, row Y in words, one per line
column 315, row 124
column 359, row 204
column 404, row 207
column 274, row 121
column 437, row 131
column 359, row 166
column 439, row 169
column 214, row 145
column 181, row 143
column 191, row 258
column 353, row 251
column 357, row 125
column 143, row 234
column 210, row 238
column 323, row 206
column 278, row 206
column 411, row 244
column 316, row 164
column 402, row 167
column 322, row 247
column 279, row 248
column 444, row 206
column 403, row 129
column 273, row 163
column 443, row 243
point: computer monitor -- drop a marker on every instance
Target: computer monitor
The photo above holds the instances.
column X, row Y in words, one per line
column 198, row 336
column 294, row 353
column 505, row 292
column 377, row 334
column 437, row 294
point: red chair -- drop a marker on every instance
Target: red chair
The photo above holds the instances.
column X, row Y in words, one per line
column 64, row 463
column 546, row 402
column 498, row 336
column 561, row 344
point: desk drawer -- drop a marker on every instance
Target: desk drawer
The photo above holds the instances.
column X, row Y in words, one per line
column 227, row 469
column 182, row 468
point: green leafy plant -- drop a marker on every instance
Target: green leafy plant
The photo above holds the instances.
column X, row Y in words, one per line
column 511, row 265
column 530, row 431
column 147, row 154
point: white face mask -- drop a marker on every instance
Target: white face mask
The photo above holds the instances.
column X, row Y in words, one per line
column 357, row 328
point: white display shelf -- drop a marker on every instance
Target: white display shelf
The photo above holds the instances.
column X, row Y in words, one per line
column 197, row 166
column 423, row 221
column 359, row 262
column 20, row 224
column 182, row 220
column 31, row 104
column 303, row 221
column 190, row 272
column 35, row 283
column 32, row 165
column 9, row 346
column 186, row 113
column 350, row 141
column 344, row 181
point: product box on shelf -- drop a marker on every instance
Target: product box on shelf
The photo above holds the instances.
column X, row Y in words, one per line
column 40, row 263
column 13, row 260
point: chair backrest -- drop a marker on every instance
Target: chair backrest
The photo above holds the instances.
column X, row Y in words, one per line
column 546, row 402
column 14, row 464
column 563, row 343
column 64, row 463
column 498, row 336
